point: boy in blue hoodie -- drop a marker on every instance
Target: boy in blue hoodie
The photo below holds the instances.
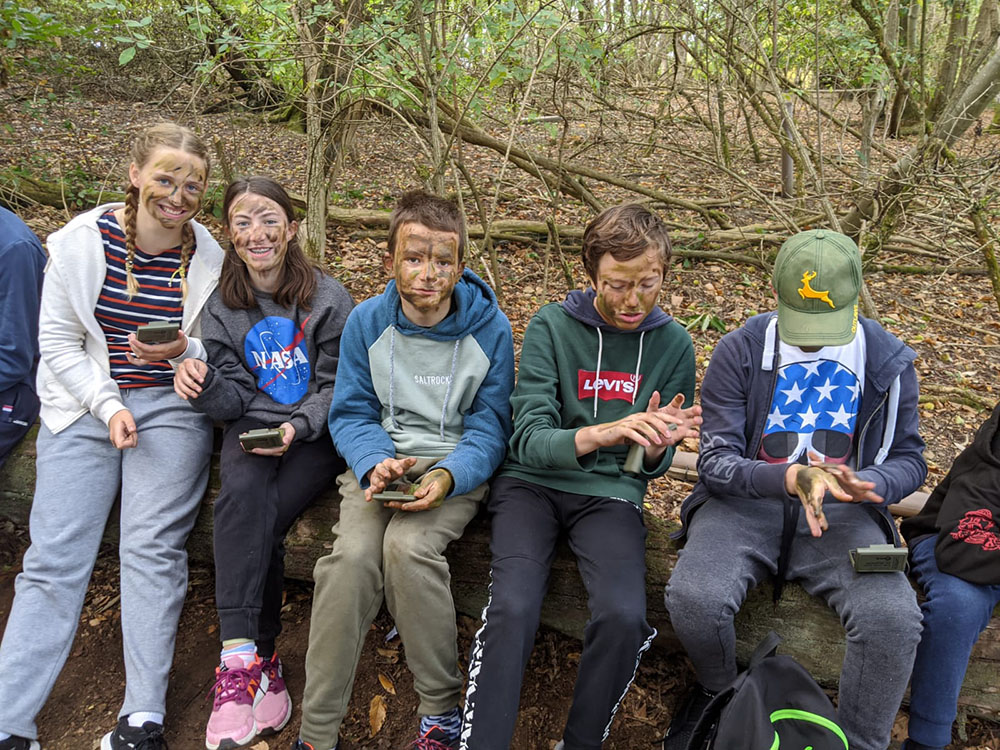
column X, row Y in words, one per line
column 799, row 405
column 423, row 396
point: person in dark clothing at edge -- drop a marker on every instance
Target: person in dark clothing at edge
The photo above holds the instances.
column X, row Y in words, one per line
column 575, row 416
column 798, row 405
column 955, row 557
column 22, row 262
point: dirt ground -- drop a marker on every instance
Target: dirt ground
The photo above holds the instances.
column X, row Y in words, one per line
column 86, row 698
column 950, row 320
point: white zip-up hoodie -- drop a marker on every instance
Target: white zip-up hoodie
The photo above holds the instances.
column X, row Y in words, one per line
column 74, row 375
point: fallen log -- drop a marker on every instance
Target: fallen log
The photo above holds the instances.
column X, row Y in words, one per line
column 811, row 632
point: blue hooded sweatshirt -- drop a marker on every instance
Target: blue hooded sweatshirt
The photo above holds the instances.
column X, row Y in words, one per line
column 22, row 261
column 736, row 394
column 440, row 392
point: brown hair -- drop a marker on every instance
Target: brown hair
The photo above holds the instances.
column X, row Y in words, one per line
column 298, row 274
column 625, row 231
column 161, row 135
column 435, row 213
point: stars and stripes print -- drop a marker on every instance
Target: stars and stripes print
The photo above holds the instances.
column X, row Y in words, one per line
column 814, row 406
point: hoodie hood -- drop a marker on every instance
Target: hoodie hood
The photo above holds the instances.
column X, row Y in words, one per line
column 475, row 306
column 580, row 305
column 886, row 355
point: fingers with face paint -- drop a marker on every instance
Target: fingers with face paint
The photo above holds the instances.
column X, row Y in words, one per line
column 858, row 490
column 681, row 424
column 386, row 471
column 810, row 484
column 433, row 488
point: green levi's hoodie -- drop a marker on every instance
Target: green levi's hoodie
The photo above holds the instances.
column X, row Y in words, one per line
column 575, row 371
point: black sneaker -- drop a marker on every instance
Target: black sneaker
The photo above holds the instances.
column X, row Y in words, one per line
column 19, row 743
column 147, row 737
column 682, row 726
column 301, row 744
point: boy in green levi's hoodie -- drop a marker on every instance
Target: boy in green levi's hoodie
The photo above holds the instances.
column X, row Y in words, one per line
column 602, row 371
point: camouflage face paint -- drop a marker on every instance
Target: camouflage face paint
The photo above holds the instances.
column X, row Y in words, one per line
column 426, row 268
column 627, row 290
column 171, row 186
column 260, row 232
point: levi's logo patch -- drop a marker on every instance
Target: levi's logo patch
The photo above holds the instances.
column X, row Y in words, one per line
column 609, row 386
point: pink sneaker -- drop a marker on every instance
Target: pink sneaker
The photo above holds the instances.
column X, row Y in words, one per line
column 274, row 708
column 236, row 690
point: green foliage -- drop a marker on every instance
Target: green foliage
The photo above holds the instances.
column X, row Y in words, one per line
column 702, row 322
column 22, row 25
column 485, row 55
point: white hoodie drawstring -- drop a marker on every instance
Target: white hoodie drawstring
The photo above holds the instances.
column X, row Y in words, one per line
column 638, row 361
column 447, row 393
column 392, row 378
column 597, row 376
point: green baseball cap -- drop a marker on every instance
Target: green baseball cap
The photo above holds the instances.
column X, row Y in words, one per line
column 817, row 277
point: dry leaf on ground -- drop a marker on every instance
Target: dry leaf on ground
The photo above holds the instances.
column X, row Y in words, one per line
column 376, row 715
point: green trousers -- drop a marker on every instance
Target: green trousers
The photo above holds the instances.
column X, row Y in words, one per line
column 395, row 555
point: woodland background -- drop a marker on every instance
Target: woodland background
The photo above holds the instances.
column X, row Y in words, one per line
column 740, row 121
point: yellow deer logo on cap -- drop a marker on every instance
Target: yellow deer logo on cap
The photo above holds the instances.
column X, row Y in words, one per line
column 807, row 292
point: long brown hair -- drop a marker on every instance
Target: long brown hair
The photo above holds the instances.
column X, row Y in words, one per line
column 161, row 135
column 298, row 274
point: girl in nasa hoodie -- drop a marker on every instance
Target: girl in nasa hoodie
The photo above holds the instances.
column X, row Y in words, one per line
column 272, row 332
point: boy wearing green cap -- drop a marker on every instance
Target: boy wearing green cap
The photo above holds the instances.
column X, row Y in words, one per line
column 802, row 406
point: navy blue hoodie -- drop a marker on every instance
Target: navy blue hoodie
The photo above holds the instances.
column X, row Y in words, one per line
column 736, row 394
column 22, row 261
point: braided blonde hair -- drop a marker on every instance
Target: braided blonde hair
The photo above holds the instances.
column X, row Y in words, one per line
column 161, row 135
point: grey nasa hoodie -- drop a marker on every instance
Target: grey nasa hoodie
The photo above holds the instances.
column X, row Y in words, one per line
column 273, row 363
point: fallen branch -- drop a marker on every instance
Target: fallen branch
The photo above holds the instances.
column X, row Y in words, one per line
column 935, row 269
column 948, row 320
column 954, row 394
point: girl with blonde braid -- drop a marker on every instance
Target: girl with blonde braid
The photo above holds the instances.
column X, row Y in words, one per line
column 112, row 424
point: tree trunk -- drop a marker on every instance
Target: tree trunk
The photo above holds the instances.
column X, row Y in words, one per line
column 951, row 60
column 429, row 49
column 983, row 41
column 242, row 66
column 904, row 36
column 314, row 237
column 951, row 125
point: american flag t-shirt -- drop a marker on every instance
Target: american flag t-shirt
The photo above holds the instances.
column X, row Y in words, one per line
column 814, row 407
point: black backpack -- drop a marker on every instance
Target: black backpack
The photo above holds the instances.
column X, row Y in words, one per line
column 774, row 704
